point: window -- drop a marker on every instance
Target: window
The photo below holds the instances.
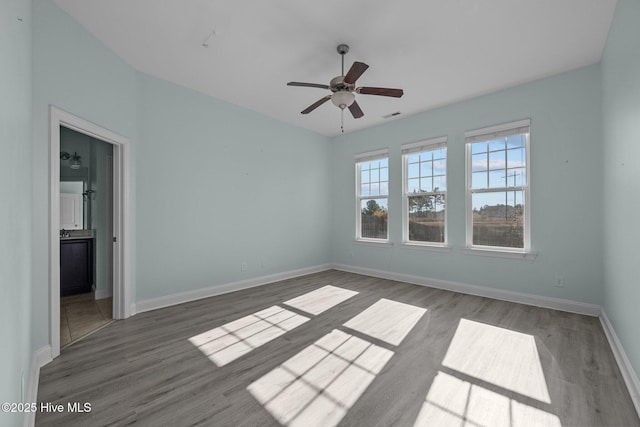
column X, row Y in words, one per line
column 424, row 192
column 498, row 187
column 372, row 175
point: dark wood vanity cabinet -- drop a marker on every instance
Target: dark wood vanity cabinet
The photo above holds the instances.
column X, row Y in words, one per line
column 76, row 266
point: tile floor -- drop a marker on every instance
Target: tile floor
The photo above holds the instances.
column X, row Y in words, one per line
column 82, row 314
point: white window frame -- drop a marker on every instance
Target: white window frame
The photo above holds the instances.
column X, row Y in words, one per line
column 359, row 159
column 484, row 134
column 417, row 147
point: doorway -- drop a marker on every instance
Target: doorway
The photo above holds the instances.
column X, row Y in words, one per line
column 115, row 241
column 86, row 233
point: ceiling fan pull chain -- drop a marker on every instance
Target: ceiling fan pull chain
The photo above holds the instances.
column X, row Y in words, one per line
column 342, row 120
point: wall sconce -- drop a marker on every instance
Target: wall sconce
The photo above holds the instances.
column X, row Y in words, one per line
column 75, row 159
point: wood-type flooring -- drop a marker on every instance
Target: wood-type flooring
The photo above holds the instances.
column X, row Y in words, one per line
column 336, row 348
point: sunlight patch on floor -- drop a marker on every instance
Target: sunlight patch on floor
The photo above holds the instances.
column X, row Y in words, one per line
column 321, row 300
column 499, row 356
column 386, row 320
column 317, row 386
column 228, row 342
column 455, row 402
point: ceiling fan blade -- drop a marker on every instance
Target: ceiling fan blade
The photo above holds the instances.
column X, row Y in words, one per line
column 355, row 72
column 356, row 112
column 316, row 104
column 382, row 91
column 308, row 85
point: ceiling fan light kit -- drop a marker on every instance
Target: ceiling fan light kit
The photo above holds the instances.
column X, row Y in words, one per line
column 343, row 99
column 344, row 88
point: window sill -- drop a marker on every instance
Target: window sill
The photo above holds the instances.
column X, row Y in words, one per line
column 424, row 247
column 379, row 243
column 527, row 256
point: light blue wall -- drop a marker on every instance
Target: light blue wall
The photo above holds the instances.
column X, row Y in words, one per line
column 215, row 185
column 219, row 185
column 566, row 184
column 228, row 172
column 621, row 151
column 15, row 193
column 75, row 72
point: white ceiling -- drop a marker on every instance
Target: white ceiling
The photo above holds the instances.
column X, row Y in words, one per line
column 438, row 51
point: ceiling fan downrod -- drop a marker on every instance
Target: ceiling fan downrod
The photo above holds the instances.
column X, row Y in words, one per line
column 342, row 50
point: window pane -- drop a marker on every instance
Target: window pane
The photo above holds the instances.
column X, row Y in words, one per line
column 516, row 158
column 413, row 170
column 364, row 176
column 440, row 167
column 498, row 219
column 479, row 180
column 497, row 179
column 426, row 184
column 373, row 219
column 497, row 160
column 479, row 147
column 479, row 162
column 413, row 158
column 426, row 218
column 440, row 183
column 497, row 144
column 384, row 174
column 372, row 175
column 375, row 175
column 375, row 189
column 426, row 168
column 413, row 185
column 515, row 141
column 440, row 153
column 426, row 155
column 516, row 177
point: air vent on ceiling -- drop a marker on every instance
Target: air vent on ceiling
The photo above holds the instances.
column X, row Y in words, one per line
column 388, row 116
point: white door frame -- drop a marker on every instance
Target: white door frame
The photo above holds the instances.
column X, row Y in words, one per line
column 121, row 217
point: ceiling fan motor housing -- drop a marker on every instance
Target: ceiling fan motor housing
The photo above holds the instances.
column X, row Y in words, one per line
column 337, row 84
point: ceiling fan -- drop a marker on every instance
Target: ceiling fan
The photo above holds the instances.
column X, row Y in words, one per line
column 344, row 88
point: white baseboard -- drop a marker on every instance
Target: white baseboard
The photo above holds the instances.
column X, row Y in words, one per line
column 182, row 297
column 628, row 373
column 41, row 357
column 499, row 294
column 103, row 293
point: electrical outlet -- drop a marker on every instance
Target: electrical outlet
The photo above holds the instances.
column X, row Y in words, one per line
column 559, row 281
column 244, row 266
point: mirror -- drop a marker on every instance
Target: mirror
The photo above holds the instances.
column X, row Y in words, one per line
column 75, row 205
